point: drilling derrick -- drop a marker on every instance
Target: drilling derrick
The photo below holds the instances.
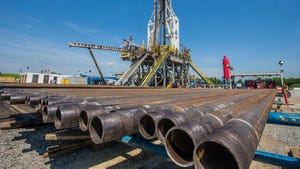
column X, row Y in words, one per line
column 163, row 26
column 163, row 63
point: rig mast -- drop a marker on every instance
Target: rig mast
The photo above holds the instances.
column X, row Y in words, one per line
column 163, row 63
column 163, row 26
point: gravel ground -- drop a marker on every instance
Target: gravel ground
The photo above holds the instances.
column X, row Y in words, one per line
column 23, row 148
column 276, row 138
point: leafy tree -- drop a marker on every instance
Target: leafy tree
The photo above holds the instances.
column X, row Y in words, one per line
column 287, row 81
column 215, row 80
column 259, row 79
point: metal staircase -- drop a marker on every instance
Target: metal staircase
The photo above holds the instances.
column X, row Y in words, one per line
column 124, row 78
column 152, row 71
column 206, row 79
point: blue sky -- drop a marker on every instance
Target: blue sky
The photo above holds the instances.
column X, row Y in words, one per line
column 254, row 34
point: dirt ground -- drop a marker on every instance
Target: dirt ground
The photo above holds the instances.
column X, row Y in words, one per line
column 24, row 148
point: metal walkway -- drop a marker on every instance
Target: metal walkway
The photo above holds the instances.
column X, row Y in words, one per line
column 206, row 79
column 151, row 72
column 124, row 78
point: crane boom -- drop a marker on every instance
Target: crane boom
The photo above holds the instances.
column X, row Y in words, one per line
column 93, row 46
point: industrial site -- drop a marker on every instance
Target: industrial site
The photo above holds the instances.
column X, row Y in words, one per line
column 162, row 112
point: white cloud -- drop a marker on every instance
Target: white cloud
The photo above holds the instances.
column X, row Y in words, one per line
column 110, row 63
column 19, row 50
column 92, row 32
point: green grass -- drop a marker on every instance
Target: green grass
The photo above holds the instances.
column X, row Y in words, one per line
column 9, row 75
column 295, row 85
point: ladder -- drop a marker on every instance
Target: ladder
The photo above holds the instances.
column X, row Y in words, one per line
column 152, row 71
column 124, row 78
column 206, row 79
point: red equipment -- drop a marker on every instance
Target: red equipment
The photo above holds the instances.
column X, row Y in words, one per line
column 226, row 68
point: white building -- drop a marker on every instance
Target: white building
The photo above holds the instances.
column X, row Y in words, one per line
column 46, row 78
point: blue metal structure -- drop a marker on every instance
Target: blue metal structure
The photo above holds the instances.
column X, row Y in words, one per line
column 95, row 79
column 145, row 145
column 277, row 159
column 291, row 119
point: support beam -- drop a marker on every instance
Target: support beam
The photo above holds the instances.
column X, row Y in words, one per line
column 290, row 119
column 277, row 159
column 97, row 66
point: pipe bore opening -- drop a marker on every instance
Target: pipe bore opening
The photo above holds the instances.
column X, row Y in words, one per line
column 96, row 126
column 45, row 110
column 180, row 146
column 212, row 155
column 164, row 126
column 84, row 118
column 58, row 114
column 147, row 126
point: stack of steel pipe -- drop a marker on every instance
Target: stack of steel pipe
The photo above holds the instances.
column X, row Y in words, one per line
column 233, row 145
column 125, row 121
column 182, row 139
column 64, row 111
column 173, row 118
column 157, row 123
column 33, row 99
column 8, row 93
column 210, row 128
column 21, row 98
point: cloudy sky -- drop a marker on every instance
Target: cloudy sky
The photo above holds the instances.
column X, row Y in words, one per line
column 254, row 34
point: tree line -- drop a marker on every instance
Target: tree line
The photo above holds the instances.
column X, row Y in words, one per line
column 291, row 82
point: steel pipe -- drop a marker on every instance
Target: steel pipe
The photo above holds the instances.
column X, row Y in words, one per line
column 148, row 123
column 262, row 156
column 48, row 112
column 33, row 100
column 17, row 99
column 108, row 127
column 86, row 115
column 31, row 97
column 233, row 145
column 66, row 116
column 6, row 96
column 181, row 139
column 175, row 118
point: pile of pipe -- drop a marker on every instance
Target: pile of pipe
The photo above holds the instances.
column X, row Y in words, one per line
column 208, row 128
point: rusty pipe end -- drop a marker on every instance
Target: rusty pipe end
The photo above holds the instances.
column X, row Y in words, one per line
column 230, row 146
column 163, row 126
column 147, row 127
column 180, row 146
column 33, row 101
column 66, row 117
column 213, row 155
column 17, row 99
column 96, row 130
column 45, row 113
column 83, row 121
column 58, row 119
column 48, row 113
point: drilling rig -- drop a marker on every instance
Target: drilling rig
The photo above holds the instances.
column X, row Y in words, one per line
column 163, row 62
